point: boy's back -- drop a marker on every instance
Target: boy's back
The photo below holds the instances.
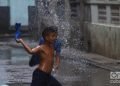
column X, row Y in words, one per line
column 46, row 54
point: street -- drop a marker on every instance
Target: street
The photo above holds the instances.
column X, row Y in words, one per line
column 15, row 71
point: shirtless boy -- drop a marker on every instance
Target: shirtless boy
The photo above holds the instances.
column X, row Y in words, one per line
column 42, row 74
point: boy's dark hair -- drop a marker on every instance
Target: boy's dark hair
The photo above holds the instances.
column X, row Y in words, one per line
column 48, row 30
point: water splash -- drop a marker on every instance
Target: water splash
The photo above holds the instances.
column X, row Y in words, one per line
column 54, row 12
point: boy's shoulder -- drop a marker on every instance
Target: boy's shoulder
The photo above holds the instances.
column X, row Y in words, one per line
column 41, row 46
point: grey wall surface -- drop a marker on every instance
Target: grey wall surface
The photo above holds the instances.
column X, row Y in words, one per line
column 4, row 19
column 104, row 40
column 31, row 17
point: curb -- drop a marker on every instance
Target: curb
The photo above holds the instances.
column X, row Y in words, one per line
column 92, row 59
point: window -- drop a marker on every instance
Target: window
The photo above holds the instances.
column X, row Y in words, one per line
column 115, row 14
column 74, row 6
column 102, row 14
column 106, row 13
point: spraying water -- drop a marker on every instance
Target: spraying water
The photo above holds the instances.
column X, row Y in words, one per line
column 61, row 14
column 54, row 12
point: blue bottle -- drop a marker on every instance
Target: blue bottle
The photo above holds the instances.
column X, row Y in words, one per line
column 17, row 30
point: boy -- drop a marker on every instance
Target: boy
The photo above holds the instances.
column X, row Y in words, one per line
column 41, row 76
column 57, row 47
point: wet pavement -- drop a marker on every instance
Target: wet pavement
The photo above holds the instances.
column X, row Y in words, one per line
column 14, row 70
column 71, row 73
column 18, row 73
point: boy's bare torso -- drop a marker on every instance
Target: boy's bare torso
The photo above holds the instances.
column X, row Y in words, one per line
column 46, row 54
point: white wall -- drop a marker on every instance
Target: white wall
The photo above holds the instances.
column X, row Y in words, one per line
column 94, row 13
column 105, row 40
column 19, row 11
column 4, row 2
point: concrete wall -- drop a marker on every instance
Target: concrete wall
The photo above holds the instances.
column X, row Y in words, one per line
column 4, row 2
column 16, row 11
column 19, row 11
column 104, row 40
column 4, row 19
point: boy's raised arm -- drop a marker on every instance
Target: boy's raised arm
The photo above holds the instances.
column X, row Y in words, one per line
column 27, row 48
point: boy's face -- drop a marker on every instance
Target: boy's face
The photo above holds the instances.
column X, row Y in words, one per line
column 51, row 37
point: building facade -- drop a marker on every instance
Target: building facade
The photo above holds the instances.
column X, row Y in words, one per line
column 103, row 29
column 77, row 17
column 15, row 11
column 105, row 11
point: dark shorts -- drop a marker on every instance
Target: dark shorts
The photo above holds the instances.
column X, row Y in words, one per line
column 53, row 82
column 41, row 78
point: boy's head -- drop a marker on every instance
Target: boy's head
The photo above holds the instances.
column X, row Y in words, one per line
column 50, row 33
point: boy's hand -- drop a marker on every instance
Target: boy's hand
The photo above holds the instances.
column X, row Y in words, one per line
column 55, row 70
column 18, row 40
column 56, row 67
